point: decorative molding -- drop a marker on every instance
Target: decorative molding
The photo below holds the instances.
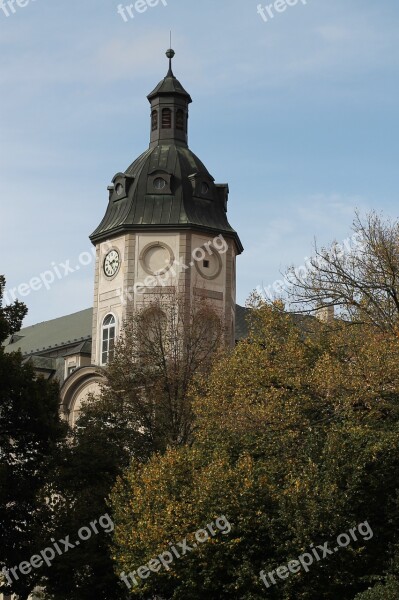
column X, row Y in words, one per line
column 208, row 294
column 145, row 251
column 201, row 270
column 109, row 295
column 158, row 290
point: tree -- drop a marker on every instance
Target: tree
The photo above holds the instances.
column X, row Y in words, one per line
column 361, row 282
column 143, row 408
column 387, row 591
column 386, row 585
column 296, row 442
column 30, row 431
column 163, row 347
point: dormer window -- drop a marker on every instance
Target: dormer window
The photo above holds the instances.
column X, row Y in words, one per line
column 154, row 120
column 204, row 188
column 166, row 118
column 159, row 183
column 120, row 187
column 180, row 120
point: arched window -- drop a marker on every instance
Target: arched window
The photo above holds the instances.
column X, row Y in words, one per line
column 166, row 118
column 180, row 120
column 154, row 120
column 108, row 339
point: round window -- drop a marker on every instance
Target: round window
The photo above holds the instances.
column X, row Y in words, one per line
column 159, row 183
column 119, row 189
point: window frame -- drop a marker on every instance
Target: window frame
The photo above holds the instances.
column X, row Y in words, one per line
column 154, row 120
column 166, row 122
column 106, row 329
column 180, row 119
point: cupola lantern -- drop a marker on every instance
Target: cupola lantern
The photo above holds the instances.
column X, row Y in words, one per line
column 169, row 110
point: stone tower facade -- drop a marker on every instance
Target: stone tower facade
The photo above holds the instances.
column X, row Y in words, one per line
column 165, row 227
column 165, row 231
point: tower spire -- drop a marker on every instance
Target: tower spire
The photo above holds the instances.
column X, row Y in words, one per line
column 169, row 109
column 170, row 54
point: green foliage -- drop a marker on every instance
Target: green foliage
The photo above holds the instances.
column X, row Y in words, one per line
column 387, row 591
column 11, row 316
column 187, row 493
column 30, row 432
column 99, row 448
column 297, row 441
column 144, row 406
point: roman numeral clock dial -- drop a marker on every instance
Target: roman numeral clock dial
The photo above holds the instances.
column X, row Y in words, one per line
column 112, row 263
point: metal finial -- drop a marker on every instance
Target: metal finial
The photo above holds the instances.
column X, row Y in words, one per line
column 170, row 54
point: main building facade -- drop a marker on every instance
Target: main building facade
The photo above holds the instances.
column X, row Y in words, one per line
column 165, row 230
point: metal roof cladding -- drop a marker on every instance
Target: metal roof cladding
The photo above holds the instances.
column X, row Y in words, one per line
column 181, row 205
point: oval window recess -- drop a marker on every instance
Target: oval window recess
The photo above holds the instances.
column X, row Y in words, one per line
column 159, row 183
column 204, row 188
column 119, row 189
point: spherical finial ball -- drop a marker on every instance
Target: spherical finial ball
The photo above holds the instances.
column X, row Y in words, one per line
column 170, row 53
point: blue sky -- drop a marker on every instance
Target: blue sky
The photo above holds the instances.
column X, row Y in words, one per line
column 299, row 115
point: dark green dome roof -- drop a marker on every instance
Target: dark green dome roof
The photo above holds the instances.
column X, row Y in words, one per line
column 167, row 187
column 190, row 198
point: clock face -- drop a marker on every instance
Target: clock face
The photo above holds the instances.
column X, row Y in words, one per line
column 111, row 263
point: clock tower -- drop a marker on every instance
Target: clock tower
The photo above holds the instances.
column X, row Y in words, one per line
column 165, row 228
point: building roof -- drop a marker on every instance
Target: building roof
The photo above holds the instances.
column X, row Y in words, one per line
column 74, row 331
column 49, row 335
column 169, row 85
column 167, row 187
column 184, row 207
column 81, row 348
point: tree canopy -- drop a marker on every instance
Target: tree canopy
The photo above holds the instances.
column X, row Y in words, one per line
column 360, row 278
column 296, row 442
column 30, row 433
column 144, row 407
